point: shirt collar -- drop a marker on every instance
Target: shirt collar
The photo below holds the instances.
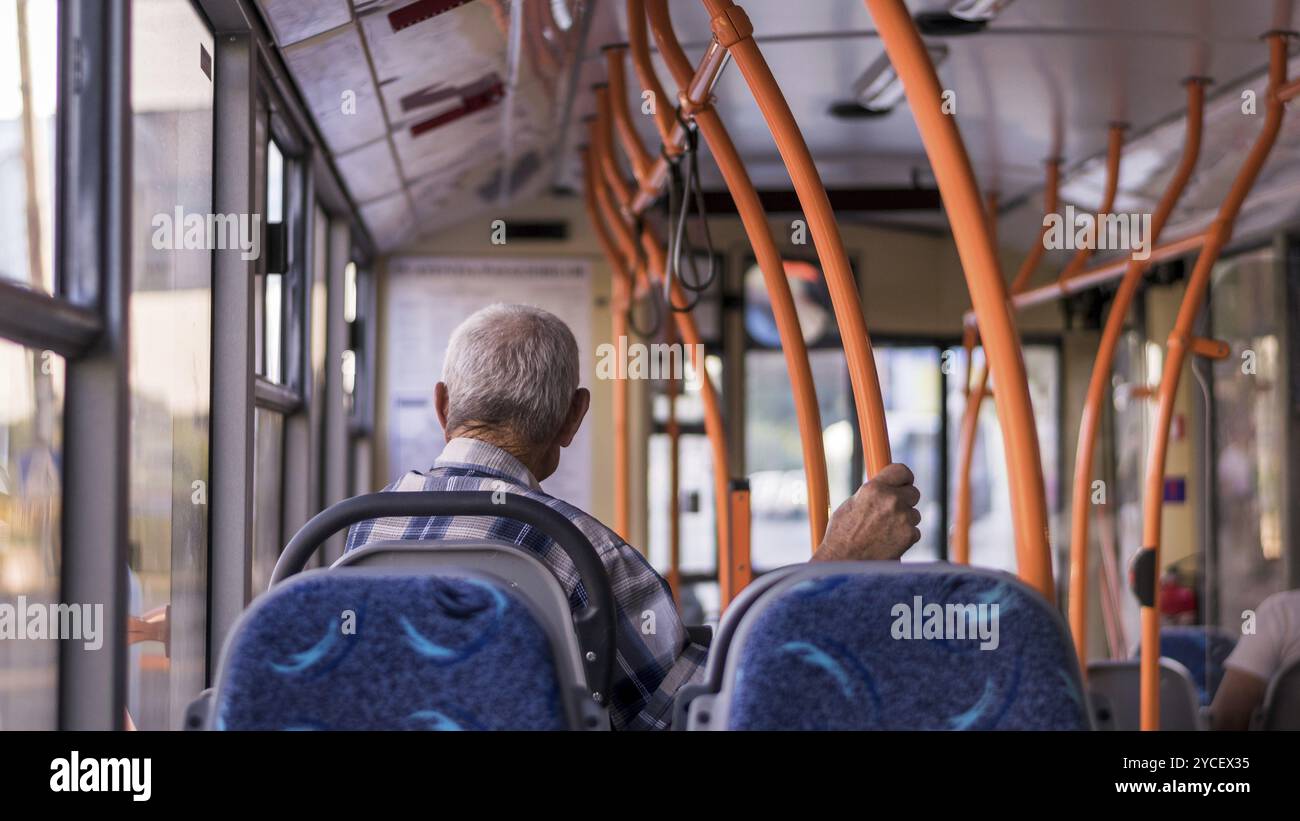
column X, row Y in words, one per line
column 477, row 455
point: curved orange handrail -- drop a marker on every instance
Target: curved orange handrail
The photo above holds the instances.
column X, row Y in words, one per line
column 754, row 218
column 636, row 152
column 732, row 29
column 1080, row 508
column 654, row 253
column 956, row 181
column 1180, row 340
column 639, row 44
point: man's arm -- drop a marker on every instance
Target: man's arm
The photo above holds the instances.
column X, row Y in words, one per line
column 1240, row 694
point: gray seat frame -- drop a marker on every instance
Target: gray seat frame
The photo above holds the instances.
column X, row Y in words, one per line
column 1113, row 687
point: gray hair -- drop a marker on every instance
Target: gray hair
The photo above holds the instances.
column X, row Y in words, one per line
column 513, row 367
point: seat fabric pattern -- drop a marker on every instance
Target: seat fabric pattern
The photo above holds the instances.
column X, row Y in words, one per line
column 426, row 653
column 823, row 656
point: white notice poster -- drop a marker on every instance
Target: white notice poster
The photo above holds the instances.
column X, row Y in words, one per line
column 427, row 297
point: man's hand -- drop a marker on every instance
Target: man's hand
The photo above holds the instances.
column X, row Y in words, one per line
column 878, row 522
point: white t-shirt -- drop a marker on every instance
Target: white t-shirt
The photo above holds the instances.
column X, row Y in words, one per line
column 1275, row 643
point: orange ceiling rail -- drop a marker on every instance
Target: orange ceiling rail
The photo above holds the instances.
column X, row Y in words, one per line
column 956, row 180
column 1051, row 201
column 754, row 218
column 636, row 152
column 1080, row 507
column 621, row 299
column 733, row 31
column 664, row 111
column 1180, row 343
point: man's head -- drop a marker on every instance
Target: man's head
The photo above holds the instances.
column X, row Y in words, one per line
column 510, row 378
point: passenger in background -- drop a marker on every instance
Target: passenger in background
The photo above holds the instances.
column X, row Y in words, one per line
column 509, row 401
column 1257, row 658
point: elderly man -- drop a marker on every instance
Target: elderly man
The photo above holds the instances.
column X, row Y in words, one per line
column 508, row 402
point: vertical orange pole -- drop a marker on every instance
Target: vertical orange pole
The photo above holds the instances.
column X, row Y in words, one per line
column 754, row 218
column 956, row 180
column 741, row 571
column 732, row 29
column 1080, row 507
column 654, row 253
column 674, row 485
column 639, row 46
column 1114, row 149
column 619, row 302
column 1180, row 340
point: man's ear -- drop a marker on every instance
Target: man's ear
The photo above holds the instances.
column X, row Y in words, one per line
column 440, row 399
column 577, row 410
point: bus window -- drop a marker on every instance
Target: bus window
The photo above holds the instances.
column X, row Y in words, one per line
column 171, row 308
column 31, row 426
column 992, row 531
column 911, row 379
column 1248, row 425
column 28, row 63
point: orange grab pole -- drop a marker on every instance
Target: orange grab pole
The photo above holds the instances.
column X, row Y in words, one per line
column 1114, row 149
column 713, row 428
column 639, row 46
column 956, row 181
column 618, row 314
column 754, row 218
column 1180, row 340
column 636, row 152
column 1080, row 509
column 732, row 29
column 674, row 485
column 1099, row 275
column 976, row 394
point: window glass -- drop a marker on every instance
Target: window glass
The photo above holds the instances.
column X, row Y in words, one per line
column 28, row 100
column 699, row 538
column 271, row 291
column 911, row 384
column 268, row 494
column 170, row 350
column 31, row 413
column 1248, row 422
column 779, row 532
column 992, row 533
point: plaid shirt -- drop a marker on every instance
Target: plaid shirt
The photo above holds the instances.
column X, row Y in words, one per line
column 650, row 667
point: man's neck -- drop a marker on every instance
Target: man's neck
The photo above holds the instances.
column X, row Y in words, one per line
column 531, row 457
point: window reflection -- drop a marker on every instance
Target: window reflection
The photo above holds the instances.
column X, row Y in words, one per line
column 31, row 411
column 170, row 360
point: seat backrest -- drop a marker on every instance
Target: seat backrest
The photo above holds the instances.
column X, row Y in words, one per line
column 1115, row 693
column 884, row 645
column 1202, row 651
column 400, row 647
column 1282, row 703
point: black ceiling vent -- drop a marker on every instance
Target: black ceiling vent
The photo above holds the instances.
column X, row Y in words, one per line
column 852, row 110
column 943, row 24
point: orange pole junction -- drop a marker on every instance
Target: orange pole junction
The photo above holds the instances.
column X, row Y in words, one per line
column 1080, row 508
column 754, row 219
column 1179, row 344
column 957, row 185
column 733, row 31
